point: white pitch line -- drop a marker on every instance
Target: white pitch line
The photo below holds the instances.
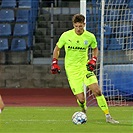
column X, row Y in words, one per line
column 122, row 121
column 34, row 120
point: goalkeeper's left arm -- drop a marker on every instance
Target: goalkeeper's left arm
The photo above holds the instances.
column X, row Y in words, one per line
column 95, row 52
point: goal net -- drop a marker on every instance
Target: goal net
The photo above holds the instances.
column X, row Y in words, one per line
column 117, row 53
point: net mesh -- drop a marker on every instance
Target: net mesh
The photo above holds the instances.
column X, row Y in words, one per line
column 117, row 49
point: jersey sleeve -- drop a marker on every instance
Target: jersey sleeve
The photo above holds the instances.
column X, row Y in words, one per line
column 94, row 42
column 61, row 41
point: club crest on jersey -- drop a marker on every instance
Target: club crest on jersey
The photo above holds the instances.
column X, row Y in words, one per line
column 85, row 42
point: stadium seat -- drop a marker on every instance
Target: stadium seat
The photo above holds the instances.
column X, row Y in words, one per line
column 6, row 15
column 8, row 3
column 3, row 44
column 22, row 15
column 131, row 15
column 127, row 15
column 104, row 45
column 25, row 3
column 5, row 29
column 114, row 45
column 112, row 15
column 107, row 30
column 130, row 4
column 87, row 15
column 125, row 30
column 21, row 30
column 18, row 44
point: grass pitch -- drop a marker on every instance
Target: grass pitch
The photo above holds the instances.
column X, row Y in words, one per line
column 58, row 119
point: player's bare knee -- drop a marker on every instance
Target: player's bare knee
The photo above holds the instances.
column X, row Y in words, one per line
column 97, row 92
column 82, row 100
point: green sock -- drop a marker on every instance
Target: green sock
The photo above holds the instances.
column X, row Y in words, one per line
column 102, row 104
column 82, row 105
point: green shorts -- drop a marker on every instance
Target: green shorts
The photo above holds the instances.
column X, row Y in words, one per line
column 77, row 80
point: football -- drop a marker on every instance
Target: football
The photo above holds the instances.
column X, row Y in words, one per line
column 79, row 118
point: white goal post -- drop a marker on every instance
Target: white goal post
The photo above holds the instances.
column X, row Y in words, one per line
column 83, row 11
column 83, row 8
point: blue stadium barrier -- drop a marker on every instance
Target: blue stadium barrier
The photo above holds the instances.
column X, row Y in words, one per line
column 30, row 42
column 8, row 3
column 5, row 29
column 121, row 77
column 6, row 15
column 18, row 44
column 4, row 44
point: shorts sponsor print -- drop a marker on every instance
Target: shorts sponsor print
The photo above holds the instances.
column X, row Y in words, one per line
column 77, row 81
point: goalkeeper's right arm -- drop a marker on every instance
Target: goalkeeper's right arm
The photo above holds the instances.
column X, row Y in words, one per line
column 55, row 67
column 56, row 52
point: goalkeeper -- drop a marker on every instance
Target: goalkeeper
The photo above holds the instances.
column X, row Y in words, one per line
column 1, row 104
column 79, row 70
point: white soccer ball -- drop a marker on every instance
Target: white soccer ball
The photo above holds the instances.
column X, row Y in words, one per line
column 79, row 118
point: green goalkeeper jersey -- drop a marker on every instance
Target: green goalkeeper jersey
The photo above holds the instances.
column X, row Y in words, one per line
column 76, row 48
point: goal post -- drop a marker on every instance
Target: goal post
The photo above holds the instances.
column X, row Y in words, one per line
column 83, row 12
column 83, row 8
column 102, row 43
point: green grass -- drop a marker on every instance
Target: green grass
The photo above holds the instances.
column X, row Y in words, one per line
column 58, row 119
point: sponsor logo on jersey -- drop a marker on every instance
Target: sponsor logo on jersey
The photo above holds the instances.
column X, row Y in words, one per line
column 86, row 42
column 72, row 47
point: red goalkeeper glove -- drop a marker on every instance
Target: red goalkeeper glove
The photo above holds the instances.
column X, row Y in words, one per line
column 91, row 64
column 55, row 67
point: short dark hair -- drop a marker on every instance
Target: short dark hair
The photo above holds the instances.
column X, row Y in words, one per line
column 78, row 18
